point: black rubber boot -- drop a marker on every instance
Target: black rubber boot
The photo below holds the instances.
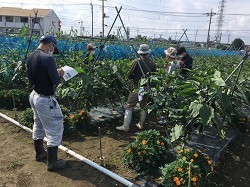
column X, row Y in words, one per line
column 54, row 164
column 41, row 154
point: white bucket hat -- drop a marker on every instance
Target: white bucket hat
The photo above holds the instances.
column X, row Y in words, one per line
column 171, row 52
column 144, row 49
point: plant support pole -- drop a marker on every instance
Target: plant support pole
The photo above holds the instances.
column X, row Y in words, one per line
column 100, row 137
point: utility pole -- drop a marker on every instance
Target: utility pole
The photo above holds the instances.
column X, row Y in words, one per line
column 81, row 27
column 228, row 38
column 92, row 28
column 208, row 33
column 103, row 16
column 195, row 35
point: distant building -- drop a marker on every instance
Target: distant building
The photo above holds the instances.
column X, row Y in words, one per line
column 13, row 19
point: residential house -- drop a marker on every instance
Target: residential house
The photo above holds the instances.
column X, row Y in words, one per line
column 12, row 20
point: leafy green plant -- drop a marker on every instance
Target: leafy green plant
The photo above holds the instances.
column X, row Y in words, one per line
column 146, row 151
column 197, row 158
column 191, row 168
column 80, row 120
column 8, row 97
column 16, row 163
column 181, row 173
column 73, row 122
column 26, row 118
column 77, row 121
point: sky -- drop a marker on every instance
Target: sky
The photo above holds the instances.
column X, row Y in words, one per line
column 154, row 19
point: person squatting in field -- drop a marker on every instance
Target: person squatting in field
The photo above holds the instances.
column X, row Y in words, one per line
column 48, row 118
column 140, row 67
column 185, row 61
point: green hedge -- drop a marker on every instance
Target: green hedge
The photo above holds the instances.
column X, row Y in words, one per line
column 20, row 97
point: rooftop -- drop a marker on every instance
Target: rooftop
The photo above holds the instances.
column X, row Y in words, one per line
column 11, row 11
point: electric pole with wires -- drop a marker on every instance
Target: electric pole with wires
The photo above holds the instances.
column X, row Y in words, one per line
column 208, row 33
column 103, row 16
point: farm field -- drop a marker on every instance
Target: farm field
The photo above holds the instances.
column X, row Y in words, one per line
column 214, row 94
column 18, row 167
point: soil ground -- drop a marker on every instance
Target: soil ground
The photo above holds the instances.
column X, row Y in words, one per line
column 18, row 167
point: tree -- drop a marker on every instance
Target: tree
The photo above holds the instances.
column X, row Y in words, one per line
column 237, row 44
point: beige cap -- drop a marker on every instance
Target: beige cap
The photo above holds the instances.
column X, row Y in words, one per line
column 171, row 52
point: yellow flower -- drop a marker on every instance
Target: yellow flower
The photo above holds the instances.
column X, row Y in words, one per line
column 187, row 150
column 144, row 152
column 158, row 142
column 176, row 179
column 180, row 169
column 180, row 151
column 184, row 158
column 80, row 113
column 194, row 179
column 129, row 150
column 209, row 162
column 195, row 155
column 144, row 142
column 71, row 116
column 181, row 179
column 207, row 157
column 192, row 160
column 199, row 150
column 162, row 144
column 139, row 153
column 178, row 183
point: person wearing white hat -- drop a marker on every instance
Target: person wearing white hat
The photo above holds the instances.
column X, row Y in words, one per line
column 171, row 57
column 140, row 67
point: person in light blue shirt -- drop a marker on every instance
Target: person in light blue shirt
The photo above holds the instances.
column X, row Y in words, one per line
column 172, row 65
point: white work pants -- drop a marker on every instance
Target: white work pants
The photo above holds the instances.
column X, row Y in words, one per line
column 48, row 119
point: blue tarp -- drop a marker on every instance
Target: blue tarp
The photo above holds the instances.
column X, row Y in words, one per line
column 111, row 51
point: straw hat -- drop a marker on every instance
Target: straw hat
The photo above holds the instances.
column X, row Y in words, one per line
column 171, row 52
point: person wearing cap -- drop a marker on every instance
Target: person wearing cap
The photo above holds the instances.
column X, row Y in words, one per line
column 185, row 60
column 48, row 118
column 89, row 56
column 171, row 65
column 142, row 66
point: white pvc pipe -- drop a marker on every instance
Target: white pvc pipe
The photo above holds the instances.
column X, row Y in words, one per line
column 87, row 161
column 15, row 122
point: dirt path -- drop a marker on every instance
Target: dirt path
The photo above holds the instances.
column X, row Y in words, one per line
column 18, row 168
